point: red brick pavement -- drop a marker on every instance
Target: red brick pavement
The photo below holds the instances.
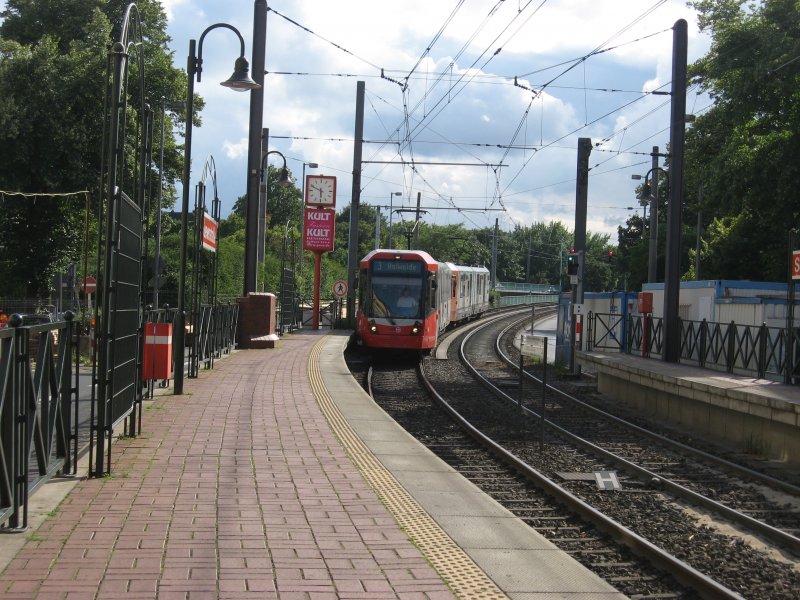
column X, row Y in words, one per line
column 236, row 490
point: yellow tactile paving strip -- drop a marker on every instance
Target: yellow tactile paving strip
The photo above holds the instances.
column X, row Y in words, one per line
column 452, row 564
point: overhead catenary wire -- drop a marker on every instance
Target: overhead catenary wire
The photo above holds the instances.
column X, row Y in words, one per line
column 446, row 94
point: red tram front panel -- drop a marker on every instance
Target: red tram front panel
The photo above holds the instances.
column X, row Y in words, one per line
column 395, row 308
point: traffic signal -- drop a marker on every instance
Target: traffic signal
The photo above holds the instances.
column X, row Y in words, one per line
column 572, row 263
column 610, row 257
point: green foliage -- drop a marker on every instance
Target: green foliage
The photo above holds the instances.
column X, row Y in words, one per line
column 742, row 171
column 53, row 84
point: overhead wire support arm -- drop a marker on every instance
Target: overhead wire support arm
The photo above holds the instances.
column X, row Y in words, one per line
column 445, row 164
column 402, row 85
column 427, row 208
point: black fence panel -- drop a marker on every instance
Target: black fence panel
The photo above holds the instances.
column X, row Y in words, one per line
column 213, row 335
column 39, row 401
column 746, row 350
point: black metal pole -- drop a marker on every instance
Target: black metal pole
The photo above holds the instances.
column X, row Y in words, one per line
column 544, row 392
column 581, row 199
column 180, row 317
column 157, row 257
column 672, row 275
column 254, row 147
column 355, row 203
column 652, row 256
column 790, row 333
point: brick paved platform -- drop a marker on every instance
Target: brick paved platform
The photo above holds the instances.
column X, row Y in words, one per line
column 237, row 489
column 276, row 476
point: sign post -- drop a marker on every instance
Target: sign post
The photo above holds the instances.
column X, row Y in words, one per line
column 319, row 229
column 340, row 288
column 794, row 276
column 210, row 227
column 319, row 226
column 89, row 287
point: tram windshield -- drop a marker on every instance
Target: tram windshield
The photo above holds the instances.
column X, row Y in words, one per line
column 396, row 289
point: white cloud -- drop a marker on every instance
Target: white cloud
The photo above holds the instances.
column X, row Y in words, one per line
column 460, row 105
column 235, row 149
column 170, row 5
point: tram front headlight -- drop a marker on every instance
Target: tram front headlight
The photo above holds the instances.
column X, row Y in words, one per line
column 372, row 327
column 416, row 328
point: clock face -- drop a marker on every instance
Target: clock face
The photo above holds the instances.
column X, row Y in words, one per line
column 321, row 190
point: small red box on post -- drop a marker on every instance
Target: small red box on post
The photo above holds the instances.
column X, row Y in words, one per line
column 157, row 359
column 645, row 303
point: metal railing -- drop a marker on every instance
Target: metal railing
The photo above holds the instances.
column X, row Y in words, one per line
column 528, row 299
column 527, row 288
column 759, row 351
column 213, row 335
column 331, row 312
column 38, row 411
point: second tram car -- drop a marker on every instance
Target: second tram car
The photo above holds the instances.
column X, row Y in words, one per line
column 407, row 298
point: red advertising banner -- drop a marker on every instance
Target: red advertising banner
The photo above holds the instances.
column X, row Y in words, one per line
column 795, row 264
column 319, row 230
column 209, row 233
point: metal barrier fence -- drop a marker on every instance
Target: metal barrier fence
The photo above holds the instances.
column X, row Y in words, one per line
column 213, row 335
column 40, row 417
column 38, row 411
column 331, row 313
column 528, row 299
column 747, row 350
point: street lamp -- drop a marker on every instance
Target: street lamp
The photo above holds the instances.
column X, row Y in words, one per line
column 285, row 180
column 240, row 81
column 310, row 165
column 649, row 195
column 389, row 241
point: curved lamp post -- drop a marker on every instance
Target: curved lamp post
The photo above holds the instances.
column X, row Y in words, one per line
column 239, row 81
column 284, row 181
column 310, row 165
column 389, row 240
column 649, row 195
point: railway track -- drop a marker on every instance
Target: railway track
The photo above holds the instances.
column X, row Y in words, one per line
column 662, row 546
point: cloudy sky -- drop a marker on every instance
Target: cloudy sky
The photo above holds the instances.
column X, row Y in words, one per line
column 499, row 91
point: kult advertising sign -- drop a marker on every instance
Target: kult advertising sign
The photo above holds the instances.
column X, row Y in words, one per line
column 210, row 227
column 319, row 230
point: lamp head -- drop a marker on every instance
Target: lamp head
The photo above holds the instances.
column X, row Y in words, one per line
column 285, row 180
column 240, row 80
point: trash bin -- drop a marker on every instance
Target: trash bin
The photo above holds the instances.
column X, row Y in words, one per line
column 157, row 358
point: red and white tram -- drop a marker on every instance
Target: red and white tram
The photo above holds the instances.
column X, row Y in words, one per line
column 406, row 298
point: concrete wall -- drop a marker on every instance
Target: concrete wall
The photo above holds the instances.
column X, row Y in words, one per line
column 748, row 415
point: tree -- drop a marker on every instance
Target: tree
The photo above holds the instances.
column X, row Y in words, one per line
column 742, row 172
column 53, row 82
column 284, row 204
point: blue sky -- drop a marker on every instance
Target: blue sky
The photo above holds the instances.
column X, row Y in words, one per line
column 460, row 60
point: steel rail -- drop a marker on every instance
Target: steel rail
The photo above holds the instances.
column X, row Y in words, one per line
column 683, row 572
column 718, row 461
column 774, row 534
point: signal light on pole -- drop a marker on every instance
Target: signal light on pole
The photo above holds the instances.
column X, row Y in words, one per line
column 572, row 263
column 610, row 257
